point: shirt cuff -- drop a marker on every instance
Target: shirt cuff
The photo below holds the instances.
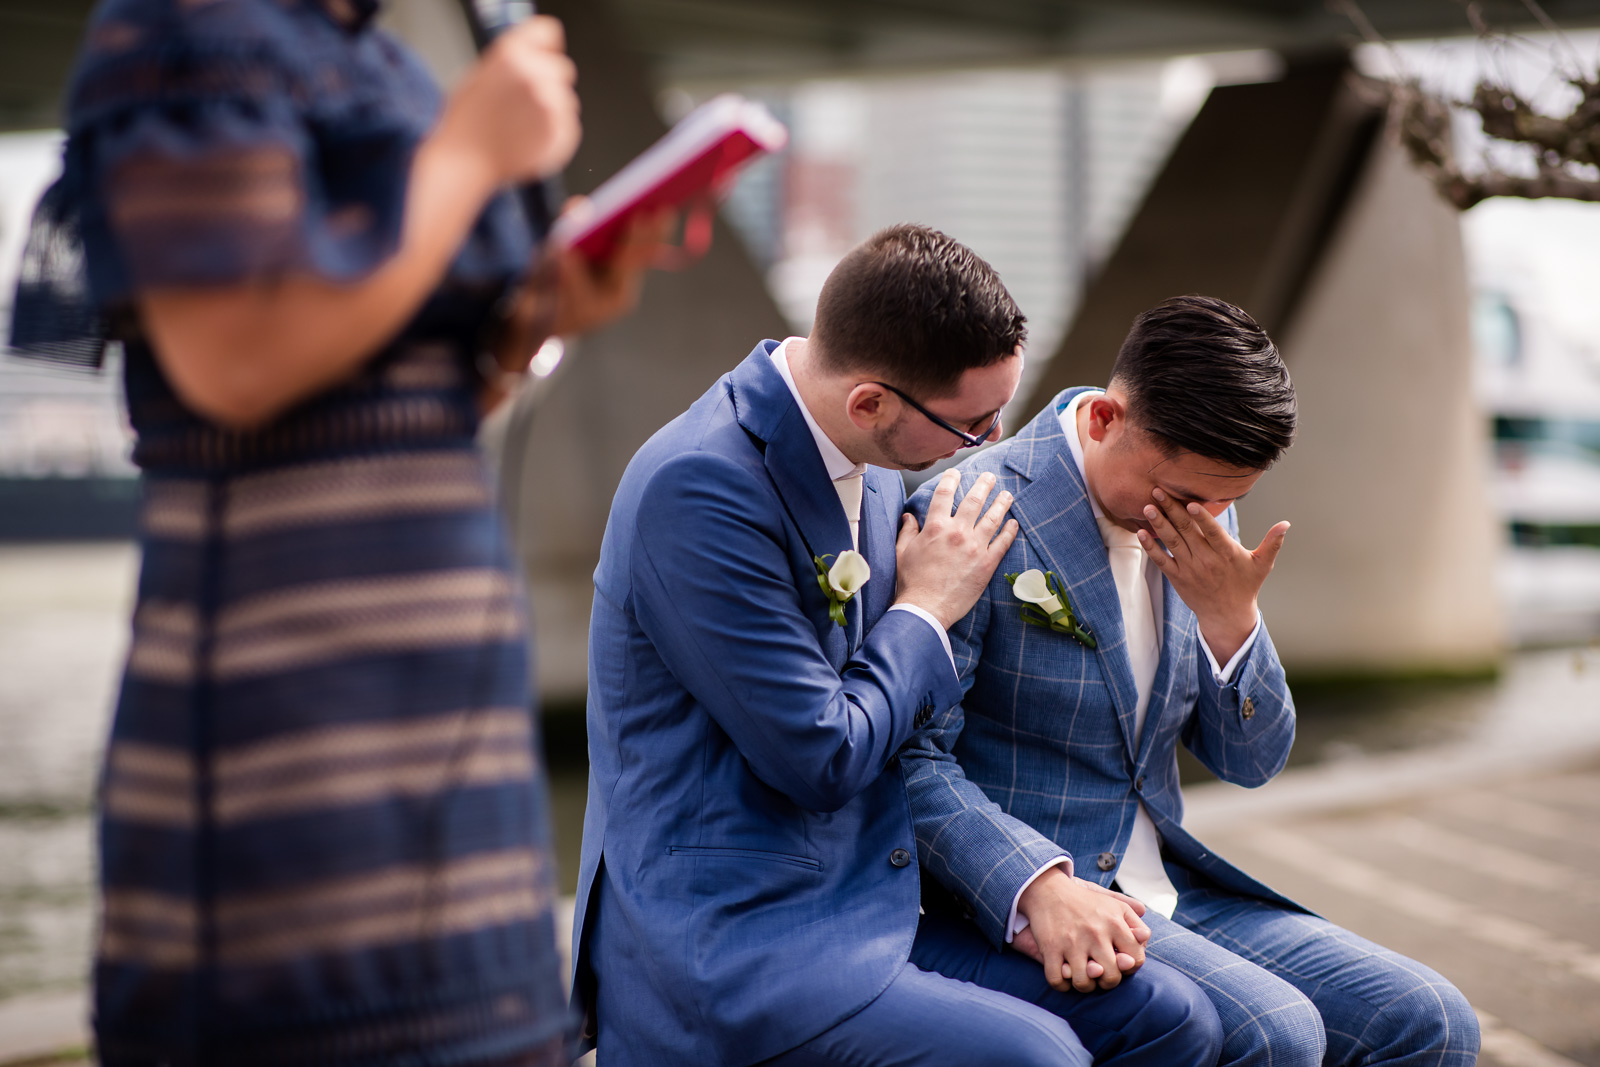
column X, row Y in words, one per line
column 1224, row 675
column 1018, row 923
column 944, row 638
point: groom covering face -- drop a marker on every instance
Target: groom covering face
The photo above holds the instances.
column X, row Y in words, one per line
column 1057, row 772
column 767, row 632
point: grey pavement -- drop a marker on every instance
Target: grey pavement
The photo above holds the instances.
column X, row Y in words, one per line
column 1478, row 854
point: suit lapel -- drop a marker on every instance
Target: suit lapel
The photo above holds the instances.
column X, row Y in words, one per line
column 1058, row 520
column 768, row 411
column 879, row 523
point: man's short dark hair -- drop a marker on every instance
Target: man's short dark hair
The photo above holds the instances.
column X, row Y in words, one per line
column 917, row 309
column 1203, row 376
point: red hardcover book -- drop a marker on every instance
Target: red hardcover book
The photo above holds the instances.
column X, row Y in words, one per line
column 697, row 159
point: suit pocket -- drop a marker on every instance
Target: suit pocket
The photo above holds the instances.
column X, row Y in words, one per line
column 710, row 852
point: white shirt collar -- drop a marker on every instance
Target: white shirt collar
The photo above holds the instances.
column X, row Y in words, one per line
column 1069, row 426
column 837, row 463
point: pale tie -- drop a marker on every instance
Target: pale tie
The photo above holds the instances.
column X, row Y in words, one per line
column 849, row 490
column 1141, row 874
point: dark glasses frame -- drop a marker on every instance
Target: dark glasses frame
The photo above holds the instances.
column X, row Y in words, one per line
column 968, row 440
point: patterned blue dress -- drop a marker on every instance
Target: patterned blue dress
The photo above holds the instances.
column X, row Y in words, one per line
column 324, row 826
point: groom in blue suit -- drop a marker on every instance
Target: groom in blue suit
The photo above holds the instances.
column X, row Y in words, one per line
column 1058, row 769
column 762, row 643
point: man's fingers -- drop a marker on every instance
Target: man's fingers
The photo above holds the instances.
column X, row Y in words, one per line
column 1025, row 943
column 1058, row 973
column 1206, row 524
column 1002, row 541
column 944, row 495
column 1166, row 531
column 1093, row 969
column 997, row 512
column 1103, row 953
column 1078, row 962
column 1176, row 513
column 908, row 532
column 1158, row 555
column 1132, row 902
column 972, row 504
column 1271, row 545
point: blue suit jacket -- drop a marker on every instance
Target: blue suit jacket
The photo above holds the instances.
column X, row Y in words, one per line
column 737, row 893
column 1039, row 758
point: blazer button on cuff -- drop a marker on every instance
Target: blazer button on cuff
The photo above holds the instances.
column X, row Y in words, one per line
column 1248, row 709
column 924, row 716
column 1106, row 861
column 900, row 858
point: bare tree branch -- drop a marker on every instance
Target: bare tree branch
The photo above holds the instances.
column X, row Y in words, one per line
column 1566, row 149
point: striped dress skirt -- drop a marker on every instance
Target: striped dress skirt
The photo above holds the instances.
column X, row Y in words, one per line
column 323, row 831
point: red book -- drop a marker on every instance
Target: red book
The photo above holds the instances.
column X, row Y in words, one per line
column 697, row 159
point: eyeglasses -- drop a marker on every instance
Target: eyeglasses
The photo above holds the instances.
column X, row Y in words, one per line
column 968, row 440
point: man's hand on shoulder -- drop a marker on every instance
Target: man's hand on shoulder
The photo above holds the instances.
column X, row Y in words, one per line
column 1083, row 934
column 1215, row 575
column 944, row 566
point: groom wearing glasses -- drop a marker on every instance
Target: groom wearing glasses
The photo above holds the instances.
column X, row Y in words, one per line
column 749, row 889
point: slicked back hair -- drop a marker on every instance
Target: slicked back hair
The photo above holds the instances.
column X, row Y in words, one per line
column 1201, row 375
column 915, row 308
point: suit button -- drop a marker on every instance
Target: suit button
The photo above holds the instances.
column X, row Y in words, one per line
column 1138, row 784
column 900, row 857
column 1248, row 709
column 924, row 716
column 1106, row 861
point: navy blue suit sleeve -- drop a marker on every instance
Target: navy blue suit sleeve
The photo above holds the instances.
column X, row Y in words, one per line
column 1243, row 731
column 964, row 839
column 714, row 590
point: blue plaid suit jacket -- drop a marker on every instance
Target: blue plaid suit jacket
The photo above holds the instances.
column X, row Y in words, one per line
column 1038, row 758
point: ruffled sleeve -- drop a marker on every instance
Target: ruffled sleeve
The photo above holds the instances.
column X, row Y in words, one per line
column 218, row 141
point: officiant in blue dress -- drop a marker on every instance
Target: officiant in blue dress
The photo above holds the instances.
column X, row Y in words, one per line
column 323, row 820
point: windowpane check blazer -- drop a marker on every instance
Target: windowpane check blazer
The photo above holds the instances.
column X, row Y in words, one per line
column 1039, row 758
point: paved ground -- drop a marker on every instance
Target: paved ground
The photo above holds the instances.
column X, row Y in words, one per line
column 1474, row 847
column 1497, row 886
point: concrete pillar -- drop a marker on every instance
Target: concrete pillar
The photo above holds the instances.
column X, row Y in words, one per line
column 1389, row 567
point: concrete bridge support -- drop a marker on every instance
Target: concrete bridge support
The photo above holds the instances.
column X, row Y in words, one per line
column 1389, row 567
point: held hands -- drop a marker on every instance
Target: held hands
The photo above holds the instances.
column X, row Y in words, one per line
column 1214, row 574
column 944, row 567
column 1083, row 934
column 515, row 115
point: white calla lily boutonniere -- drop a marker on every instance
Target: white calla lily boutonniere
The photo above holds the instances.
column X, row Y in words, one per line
column 842, row 580
column 1045, row 604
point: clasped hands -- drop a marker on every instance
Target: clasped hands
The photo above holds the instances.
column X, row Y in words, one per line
column 1084, row 935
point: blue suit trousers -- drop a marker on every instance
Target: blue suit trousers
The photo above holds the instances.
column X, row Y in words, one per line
column 960, row 1002
column 1295, row 990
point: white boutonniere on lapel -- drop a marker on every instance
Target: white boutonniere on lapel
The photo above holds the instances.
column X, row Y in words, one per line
column 1044, row 603
column 842, row 580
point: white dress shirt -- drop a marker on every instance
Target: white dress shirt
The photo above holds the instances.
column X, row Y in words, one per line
column 1140, row 591
column 848, row 483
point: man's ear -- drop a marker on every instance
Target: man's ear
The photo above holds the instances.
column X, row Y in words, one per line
column 1106, row 413
column 868, row 406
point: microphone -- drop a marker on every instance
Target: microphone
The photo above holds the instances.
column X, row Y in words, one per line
column 487, row 19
